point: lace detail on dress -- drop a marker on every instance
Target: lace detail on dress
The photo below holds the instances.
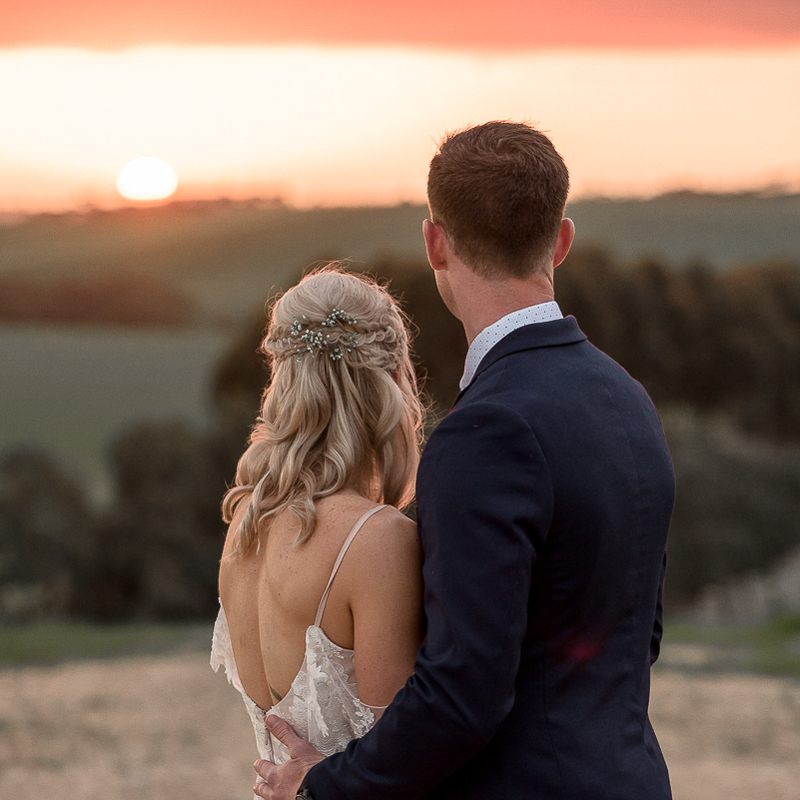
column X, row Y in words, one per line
column 322, row 704
column 222, row 656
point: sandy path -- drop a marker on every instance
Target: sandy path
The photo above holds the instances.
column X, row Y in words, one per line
column 167, row 727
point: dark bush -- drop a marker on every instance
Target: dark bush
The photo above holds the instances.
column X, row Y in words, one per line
column 738, row 504
column 48, row 539
column 162, row 543
column 719, row 342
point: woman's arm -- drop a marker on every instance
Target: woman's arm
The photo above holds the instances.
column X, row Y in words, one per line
column 382, row 577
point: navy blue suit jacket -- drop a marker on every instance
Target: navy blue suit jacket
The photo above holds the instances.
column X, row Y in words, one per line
column 544, row 500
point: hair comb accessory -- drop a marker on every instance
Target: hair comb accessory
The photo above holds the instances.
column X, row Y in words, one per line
column 311, row 341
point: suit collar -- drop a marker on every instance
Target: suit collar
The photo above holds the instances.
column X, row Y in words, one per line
column 529, row 337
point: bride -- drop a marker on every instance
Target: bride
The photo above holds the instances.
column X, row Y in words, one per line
column 320, row 579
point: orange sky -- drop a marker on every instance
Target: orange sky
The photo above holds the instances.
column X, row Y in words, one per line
column 324, row 102
column 113, row 24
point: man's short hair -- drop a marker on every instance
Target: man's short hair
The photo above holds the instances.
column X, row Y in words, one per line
column 499, row 191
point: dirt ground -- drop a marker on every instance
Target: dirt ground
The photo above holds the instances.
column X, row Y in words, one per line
column 167, row 727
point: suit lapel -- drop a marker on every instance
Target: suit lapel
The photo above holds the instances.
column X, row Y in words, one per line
column 528, row 337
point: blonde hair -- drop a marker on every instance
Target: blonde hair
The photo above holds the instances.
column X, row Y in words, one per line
column 342, row 409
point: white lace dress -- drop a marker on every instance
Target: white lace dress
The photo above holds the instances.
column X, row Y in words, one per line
column 322, row 704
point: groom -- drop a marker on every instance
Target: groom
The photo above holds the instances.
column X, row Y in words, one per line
column 544, row 500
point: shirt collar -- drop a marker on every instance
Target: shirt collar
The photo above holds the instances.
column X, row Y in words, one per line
column 490, row 336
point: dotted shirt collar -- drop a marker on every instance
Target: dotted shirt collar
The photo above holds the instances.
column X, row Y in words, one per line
column 489, row 337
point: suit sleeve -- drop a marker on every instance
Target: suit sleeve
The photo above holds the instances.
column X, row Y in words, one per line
column 484, row 504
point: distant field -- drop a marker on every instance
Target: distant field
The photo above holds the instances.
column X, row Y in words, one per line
column 769, row 649
column 723, row 231
column 227, row 257
column 772, row 648
column 70, row 390
column 57, row 642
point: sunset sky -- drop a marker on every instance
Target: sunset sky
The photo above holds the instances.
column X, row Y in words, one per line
column 343, row 102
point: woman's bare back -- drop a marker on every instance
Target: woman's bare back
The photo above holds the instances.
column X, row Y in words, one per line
column 374, row 608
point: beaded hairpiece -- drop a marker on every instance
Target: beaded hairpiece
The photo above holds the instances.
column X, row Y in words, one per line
column 314, row 342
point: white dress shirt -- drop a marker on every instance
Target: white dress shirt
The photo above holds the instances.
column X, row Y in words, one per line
column 489, row 337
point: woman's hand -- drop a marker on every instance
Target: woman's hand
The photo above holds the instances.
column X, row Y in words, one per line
column 282, row 782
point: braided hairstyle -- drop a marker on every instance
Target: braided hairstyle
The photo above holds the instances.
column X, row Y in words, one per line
column 342, row 409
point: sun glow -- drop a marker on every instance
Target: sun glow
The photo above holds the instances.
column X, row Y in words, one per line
column 347, row 125
column 147, row 178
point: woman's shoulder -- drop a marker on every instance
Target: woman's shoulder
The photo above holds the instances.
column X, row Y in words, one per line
column 389, row 528
column 381, row 577
column 387, row 537
column 384, row 520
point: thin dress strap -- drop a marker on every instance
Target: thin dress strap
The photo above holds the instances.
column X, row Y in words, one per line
column 347, row 542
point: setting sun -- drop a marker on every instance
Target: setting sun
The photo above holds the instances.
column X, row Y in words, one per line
column 147, row 178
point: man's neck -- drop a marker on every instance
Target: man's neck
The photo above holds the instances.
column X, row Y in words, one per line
column 487, row 301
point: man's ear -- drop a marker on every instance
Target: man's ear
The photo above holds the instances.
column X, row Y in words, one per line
column 566, row 233
column 435, row 244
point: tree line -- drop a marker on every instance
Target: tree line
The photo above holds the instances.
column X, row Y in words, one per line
column 718, row 352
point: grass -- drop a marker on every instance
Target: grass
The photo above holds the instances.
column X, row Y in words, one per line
column 770, row 649
column 55, row 642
